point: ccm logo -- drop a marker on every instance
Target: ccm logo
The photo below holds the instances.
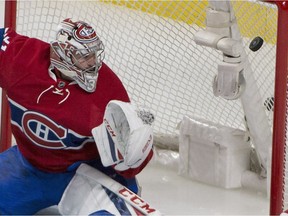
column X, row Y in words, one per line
column 112, row 133
column 134, row 198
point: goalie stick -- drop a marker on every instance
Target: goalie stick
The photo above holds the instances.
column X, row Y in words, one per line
column 120, row 190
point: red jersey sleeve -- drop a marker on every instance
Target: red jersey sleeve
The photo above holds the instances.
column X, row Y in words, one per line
column 17, row 53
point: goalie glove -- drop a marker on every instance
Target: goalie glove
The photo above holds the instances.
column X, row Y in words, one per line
column 123, row 140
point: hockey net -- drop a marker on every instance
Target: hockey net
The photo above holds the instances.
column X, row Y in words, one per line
column 150, row 45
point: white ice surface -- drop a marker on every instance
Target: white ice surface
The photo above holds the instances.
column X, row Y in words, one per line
column 172, row 194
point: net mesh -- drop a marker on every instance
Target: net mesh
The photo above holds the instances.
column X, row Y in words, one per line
column 150, row 46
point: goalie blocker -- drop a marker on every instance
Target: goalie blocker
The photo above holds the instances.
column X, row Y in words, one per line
column 123, row 140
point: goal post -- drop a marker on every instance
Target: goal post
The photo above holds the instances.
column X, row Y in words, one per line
column 150, row 45
column 5, row 130
column 279, row 187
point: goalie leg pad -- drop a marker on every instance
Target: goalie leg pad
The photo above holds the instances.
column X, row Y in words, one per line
column 86, row 196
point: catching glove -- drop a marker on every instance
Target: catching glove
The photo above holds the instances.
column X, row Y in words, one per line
column 123, row 140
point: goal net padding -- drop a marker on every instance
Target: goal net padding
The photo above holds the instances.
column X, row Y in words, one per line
column 150, row 45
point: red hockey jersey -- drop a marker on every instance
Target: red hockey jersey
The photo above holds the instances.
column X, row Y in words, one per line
column 51, row 117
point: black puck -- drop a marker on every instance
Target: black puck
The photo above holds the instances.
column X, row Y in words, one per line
column 256, row 44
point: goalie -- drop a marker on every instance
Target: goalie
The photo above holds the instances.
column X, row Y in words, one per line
column 67, row 108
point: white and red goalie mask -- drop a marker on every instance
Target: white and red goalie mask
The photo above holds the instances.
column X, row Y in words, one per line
column 78, row 53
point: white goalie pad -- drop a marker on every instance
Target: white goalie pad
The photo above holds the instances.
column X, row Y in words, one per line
column 122, row 138
column 91, row 191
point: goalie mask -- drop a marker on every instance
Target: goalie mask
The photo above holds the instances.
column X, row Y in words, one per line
column 78, row 53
